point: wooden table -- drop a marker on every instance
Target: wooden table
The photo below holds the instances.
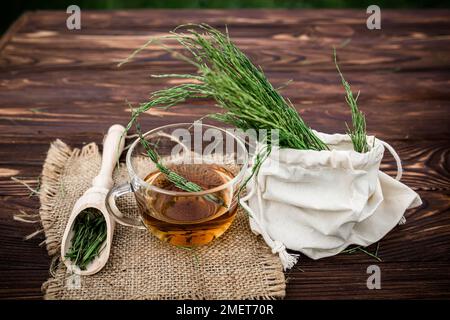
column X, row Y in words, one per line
column 57, row 83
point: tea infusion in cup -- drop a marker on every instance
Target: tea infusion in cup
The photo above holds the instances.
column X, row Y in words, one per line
column 173, row 215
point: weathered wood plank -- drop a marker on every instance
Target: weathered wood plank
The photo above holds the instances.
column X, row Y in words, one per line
column 304, row 86
column 387, row 120
column 122, row 20
column 295, row 38
column 399, row 280
column 280, row 53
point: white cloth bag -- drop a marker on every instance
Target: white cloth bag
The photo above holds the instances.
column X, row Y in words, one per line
column 320, row 202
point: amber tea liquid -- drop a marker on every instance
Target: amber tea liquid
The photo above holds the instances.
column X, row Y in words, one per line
column 188, row 220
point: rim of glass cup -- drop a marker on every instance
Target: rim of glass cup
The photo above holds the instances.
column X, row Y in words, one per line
column 238, row 177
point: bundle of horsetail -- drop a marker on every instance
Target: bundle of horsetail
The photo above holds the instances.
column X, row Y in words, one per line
column 240, row 89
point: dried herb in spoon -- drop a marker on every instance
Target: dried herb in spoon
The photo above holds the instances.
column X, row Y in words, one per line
column 89, row 235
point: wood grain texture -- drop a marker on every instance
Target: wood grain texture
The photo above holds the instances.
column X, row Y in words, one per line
column 56, row 83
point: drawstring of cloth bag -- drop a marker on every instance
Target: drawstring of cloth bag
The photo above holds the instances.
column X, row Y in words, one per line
column 288, row 260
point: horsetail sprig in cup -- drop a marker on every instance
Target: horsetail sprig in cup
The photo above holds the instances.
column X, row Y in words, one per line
column 179, row 181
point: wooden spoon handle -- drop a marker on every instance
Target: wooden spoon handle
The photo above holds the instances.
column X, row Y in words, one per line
column 112, row 149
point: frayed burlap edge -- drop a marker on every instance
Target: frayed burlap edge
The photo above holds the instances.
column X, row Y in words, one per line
column 58, row 156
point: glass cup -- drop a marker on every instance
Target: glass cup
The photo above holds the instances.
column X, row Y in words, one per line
column 213, row 158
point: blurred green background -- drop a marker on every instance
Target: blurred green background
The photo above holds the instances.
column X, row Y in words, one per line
column 12, row 9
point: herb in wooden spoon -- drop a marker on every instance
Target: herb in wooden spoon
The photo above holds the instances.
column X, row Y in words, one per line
column 89, row 235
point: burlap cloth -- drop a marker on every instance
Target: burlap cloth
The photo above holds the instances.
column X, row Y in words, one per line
column 238, row 265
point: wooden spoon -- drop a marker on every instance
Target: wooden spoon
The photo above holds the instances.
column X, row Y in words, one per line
column 94, row 198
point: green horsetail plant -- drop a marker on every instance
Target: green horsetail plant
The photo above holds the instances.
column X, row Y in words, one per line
column 240, row 88
column 358, row 132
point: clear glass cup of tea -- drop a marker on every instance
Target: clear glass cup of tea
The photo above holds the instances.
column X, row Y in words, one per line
column 213, row 158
